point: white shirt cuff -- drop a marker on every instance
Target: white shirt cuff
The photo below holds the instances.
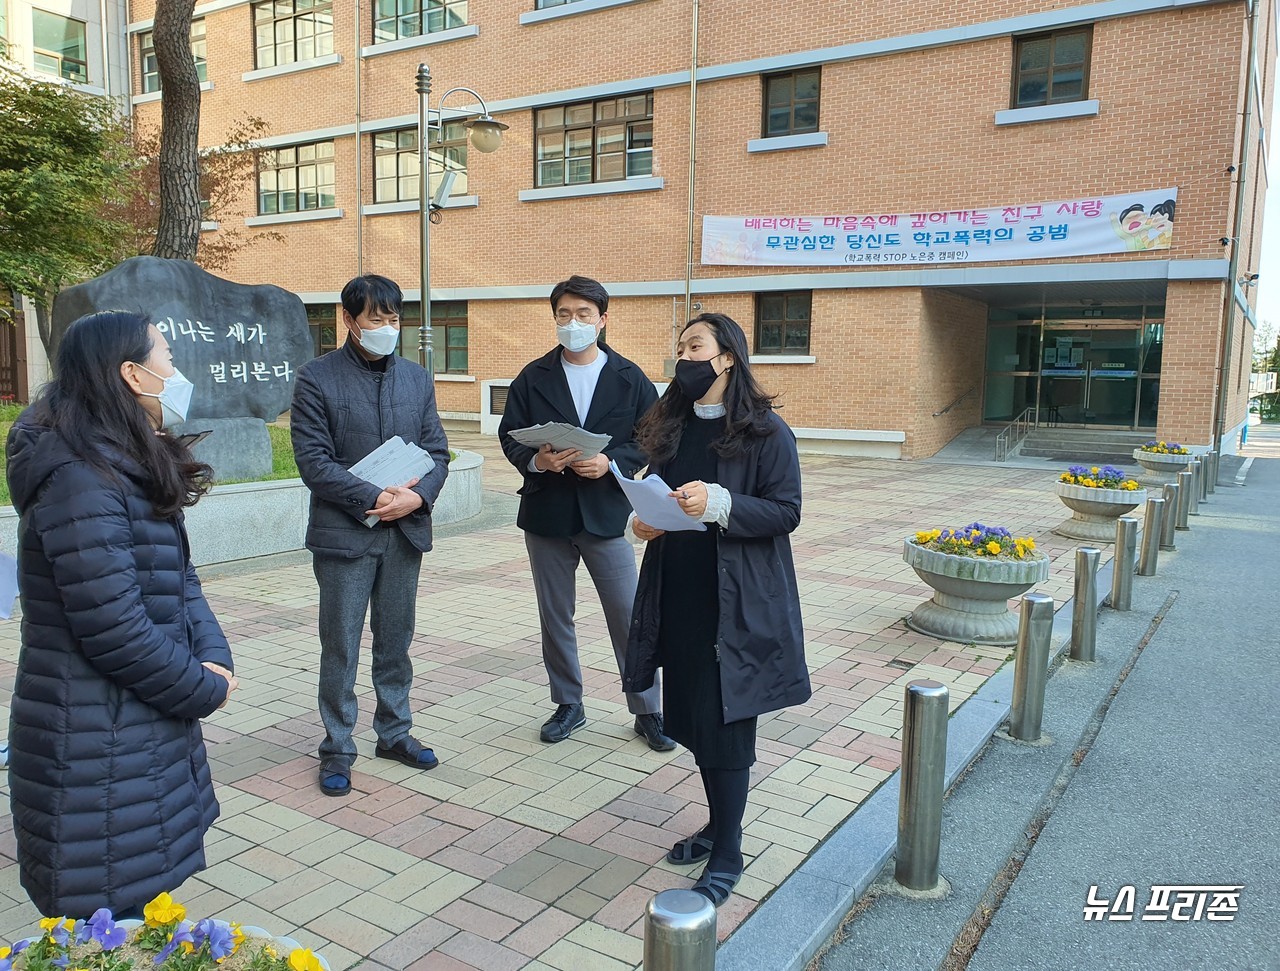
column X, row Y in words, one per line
column 719, row 505
column 533, row 464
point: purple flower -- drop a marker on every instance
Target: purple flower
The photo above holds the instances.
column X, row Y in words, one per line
column 218, row 935
column 1078, row 470
column 180, row 936
column 104, row 930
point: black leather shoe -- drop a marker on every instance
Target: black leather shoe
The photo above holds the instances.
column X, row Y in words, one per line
column 567, row 720
column 650, row 726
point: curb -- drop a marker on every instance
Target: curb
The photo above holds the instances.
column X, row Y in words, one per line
column 798, row 919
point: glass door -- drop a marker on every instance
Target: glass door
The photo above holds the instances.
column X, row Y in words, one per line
column 1090, row 372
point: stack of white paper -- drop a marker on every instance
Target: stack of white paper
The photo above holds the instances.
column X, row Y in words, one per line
column 651, row 498
column 560, row 436
column 393, row 463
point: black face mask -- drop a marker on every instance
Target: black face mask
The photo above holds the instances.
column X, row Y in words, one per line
column 695, row 378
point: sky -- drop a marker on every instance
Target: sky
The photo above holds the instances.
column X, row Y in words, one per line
column 1268, row 307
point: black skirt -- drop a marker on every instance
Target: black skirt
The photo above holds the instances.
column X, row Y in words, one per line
column 693, row 709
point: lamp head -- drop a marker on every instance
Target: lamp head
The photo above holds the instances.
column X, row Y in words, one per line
column 486, row 133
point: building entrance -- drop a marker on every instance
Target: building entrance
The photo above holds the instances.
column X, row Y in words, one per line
column 1081, row 372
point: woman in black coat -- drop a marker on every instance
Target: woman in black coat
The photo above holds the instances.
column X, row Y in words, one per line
column 121, row 656
column 719, row 610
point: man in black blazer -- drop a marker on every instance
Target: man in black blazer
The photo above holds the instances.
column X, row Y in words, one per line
column 571, row 509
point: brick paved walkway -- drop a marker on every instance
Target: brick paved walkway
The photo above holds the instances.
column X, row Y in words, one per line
column 515, row 854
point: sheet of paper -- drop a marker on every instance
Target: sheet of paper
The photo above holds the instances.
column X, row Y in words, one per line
column 393, row 463
column 8, row 584
column 560, row 436
column 653, row 506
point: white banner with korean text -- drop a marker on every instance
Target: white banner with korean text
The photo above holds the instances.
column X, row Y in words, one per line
column 1134, row 222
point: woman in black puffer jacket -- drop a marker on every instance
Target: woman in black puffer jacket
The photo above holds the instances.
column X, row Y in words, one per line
column 121, row 655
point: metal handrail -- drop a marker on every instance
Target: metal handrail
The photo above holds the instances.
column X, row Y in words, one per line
column 956, row 402
column 1011, row 436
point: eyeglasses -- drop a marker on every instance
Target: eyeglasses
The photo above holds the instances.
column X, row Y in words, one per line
column 583, row 316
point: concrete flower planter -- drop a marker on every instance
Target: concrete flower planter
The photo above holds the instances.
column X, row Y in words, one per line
column 971, row 595
column 1094, row 511
column 1159, row 468
column 237, row 522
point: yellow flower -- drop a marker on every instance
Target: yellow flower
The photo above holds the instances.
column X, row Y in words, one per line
column 4, row 953
column 163, row 910
column 237, row 937
column 52, row 923
column 303, row 960
column 923, row 537
column 993, row 547
column 1094, row 470
column 269, row 951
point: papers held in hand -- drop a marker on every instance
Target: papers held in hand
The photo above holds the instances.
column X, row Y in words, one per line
column 653, row 504
column 393, row 463
column 560, row 436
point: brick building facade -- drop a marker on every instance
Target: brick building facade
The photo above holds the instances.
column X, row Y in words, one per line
column 819, row 107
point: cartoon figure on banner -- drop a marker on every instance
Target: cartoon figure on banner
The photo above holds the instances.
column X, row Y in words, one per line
column 724, row 252
column 1141, row 230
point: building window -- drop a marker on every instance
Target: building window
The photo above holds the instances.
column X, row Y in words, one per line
column 58, row 46
column 448, row 334
column 791, row 103
column 151, row 68
column 395, row 163
column 295, row 179
column 546, row 4
column 595, row 141
column 395, row 19
column 287, row 31
column 782, row 322
column 1051, row 68
column 322, row 319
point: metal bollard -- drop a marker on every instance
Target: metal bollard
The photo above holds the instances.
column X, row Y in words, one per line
column 924, row 762
column 1185, row 486
column 1211, row 480
column 1152, row 529
column 679, row 932
column 1197, row 477
column 1204, row 477
column 1031, row 666
column 1122, row 565
column 1169, row 524
column 1084, row 614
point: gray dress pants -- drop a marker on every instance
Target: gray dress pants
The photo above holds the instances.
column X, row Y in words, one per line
column 612, row 566
column 383, row 582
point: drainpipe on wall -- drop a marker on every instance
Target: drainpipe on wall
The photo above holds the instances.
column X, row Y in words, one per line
column 1233, row 265
column 693, row 162
column 359, row 153
column 106, row 61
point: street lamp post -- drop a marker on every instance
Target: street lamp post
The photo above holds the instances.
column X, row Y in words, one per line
column 485, row 135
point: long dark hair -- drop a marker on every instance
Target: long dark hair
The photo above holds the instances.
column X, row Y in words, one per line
column 747, row 407
column 96, row 414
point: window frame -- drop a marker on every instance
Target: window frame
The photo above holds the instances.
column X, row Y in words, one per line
column 783, row 321
column 296, row 166
column 423, row 11
column 630, row 123
column 146, row 48
column 1052, row 36
column 443, row 323
column 455, row 144
column 765, row 106
column 60, row 58
column 293, row 19
column 551, row 4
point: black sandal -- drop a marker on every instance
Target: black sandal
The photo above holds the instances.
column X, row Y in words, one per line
column 690, row 850
column 717, row 885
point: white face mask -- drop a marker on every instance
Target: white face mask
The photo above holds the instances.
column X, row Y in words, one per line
column 175, row 397
column 380, row 341
column 576, row 336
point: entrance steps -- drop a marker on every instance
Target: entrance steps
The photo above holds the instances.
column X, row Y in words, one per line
column 1085, row 446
